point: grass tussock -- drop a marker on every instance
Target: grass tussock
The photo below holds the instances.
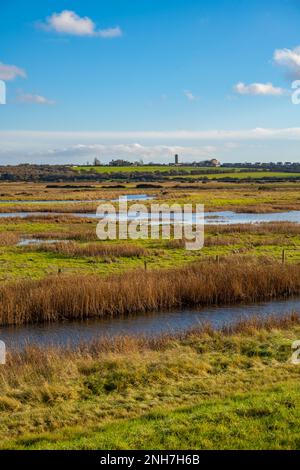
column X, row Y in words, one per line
column 84, row 235
column 65, row 208
column 283, row 228
column 268, row 208
column 74, row 249
column 59, row 219
column 78, row 297
column 9, row 238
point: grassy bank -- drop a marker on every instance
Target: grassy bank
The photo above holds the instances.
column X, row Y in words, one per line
column 230, row 389
column 63, row 297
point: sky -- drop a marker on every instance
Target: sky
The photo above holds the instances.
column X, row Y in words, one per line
column 144, row 79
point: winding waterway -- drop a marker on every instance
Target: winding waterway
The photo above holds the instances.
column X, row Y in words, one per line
column 74, row 332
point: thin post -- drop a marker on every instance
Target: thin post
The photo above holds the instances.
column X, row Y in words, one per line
column 283, row 256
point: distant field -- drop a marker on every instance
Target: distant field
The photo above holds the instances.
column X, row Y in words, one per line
column 217, row 172
column 142, row 169
column 253, row 174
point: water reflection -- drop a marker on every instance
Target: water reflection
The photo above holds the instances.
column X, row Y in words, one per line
column 72, row 333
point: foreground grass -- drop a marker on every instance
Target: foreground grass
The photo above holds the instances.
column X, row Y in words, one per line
column 207, row 390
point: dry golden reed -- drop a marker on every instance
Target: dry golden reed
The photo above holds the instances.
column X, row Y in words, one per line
column 9, row 238
column 284, row 228
column 64, row 297
column 74, row 249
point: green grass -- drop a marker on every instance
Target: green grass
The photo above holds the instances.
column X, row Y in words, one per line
column 250, row 197
column 23, row 262
column 257, row 421
column 207, row 391
column 142, row 169
column 253, row 175
column 210, row 173
column 17, row 262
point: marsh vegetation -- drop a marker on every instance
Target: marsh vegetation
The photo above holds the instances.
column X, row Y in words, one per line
column 236, row 385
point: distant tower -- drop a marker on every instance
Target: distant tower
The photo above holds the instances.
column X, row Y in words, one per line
column 176, row 159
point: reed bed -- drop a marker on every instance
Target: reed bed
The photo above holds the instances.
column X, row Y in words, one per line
column 73, row 249
column 85, row 234
column 285, row 228
column 237, row 237
column 267, row 208
column 51, row 218
column 220, row 240
column 63, row 297
column 65, row 208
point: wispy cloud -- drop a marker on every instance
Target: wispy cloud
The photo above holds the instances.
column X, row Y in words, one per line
column 133, row 151
column 106, row 152
column 258, row 133
column 258, row 89
column 290, row 59
column 68, row 22
column 28, row 98
column 190, row 96
column 51, row 146
column 10, row 72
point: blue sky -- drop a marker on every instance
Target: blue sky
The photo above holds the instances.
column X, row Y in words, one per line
column 145, row 79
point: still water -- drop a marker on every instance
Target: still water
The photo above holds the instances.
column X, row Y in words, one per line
column 216, row 218
column 72, row 333
column 130, row 197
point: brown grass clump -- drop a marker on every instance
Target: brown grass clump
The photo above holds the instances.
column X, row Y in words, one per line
column 66, row 208
column 60, row 219
column 284, row 228
column 267, row 208
column 78, row 297
column 73, row 249
column 9, row 238
column 85, row 234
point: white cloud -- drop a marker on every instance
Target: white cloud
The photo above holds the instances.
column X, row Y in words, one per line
column 68, row 22
column 262, row 89
column 10, row 72
column 189, row 95
column 106, row 152
column 263, row 144
column 133, row 151
column 110, row 32
column 289, row 58
column 28, row 98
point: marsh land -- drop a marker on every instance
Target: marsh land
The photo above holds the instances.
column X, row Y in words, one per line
column 235, row 383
